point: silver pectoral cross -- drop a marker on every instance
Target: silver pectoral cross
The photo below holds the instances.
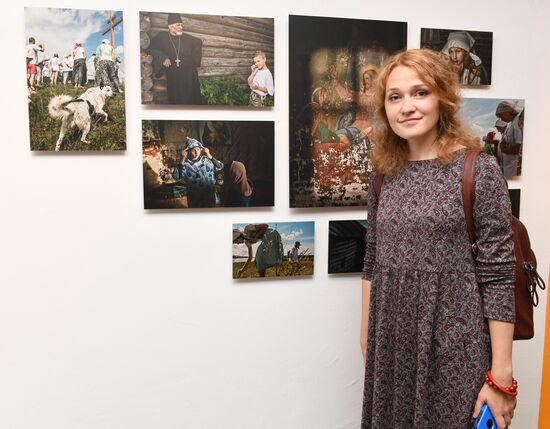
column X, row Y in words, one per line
column 178, row 61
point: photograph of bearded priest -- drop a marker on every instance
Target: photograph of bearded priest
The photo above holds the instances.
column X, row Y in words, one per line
column 177, row 55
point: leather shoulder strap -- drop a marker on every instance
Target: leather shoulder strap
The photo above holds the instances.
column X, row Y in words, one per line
column 378, row 179
column 468, row 192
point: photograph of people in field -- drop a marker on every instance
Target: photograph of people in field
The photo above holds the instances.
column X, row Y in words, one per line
column 283, row 249
column 499, row 125
column 75, row 79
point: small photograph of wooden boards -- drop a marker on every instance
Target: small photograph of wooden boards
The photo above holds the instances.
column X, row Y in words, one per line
column 515, row 195
column 206, row 59
column 274, row 249
column 346, row 246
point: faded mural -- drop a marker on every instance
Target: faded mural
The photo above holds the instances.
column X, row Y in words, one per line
column 331, row 105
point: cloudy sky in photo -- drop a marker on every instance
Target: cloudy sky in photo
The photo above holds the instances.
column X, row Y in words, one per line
column 59, row 29
column 478, row 114
column 291, row 232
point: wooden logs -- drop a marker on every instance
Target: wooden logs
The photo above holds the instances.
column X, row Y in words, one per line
column 194, row 25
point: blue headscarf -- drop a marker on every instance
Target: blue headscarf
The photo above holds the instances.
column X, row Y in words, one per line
column 191, row 143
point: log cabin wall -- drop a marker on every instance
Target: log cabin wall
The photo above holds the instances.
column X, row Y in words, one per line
column 229, row 44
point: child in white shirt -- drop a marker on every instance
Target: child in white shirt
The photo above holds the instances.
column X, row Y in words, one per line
column 260, row 81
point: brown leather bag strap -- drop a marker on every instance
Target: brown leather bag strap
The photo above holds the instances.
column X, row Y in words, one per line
column 378, row 179
column 468, row 193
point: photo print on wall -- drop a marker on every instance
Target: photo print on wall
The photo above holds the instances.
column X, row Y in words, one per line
column 208, row 164
column 515, row 195
column 469, row 52
column 75, row 79
column 206, row 59
column 499, row 124
column 346, row 246
column 332, row 65
column 275, row 249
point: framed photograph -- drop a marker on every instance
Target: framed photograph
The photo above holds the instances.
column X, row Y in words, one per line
column 75, row 79
column 346, row 246
column 469, row 52
column 515, row 195
column 333, row 63
column 275, row 249
column 206, row 59
column 499, row 124
column 207, row 164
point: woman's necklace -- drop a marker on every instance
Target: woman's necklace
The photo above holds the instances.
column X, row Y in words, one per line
column 177, row 51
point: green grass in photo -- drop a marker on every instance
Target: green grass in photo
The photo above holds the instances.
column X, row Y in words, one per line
column 227, row 90
column 282, row 270
column 44, row 130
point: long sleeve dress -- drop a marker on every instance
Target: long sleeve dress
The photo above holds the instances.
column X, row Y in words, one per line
column 428, row 341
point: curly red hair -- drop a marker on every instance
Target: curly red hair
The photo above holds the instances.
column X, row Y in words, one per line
column 391, row 151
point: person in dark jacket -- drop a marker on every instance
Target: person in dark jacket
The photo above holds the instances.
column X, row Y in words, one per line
column 177, row 55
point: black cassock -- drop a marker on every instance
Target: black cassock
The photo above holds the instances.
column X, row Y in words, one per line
column 182, row 83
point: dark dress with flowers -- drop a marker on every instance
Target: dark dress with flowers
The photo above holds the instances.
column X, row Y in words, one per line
column 428, row 342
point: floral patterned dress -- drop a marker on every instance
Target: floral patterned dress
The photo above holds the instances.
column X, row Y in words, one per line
column 428, row 341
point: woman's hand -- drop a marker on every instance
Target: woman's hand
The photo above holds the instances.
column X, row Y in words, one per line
column 502, row 406
column 365, row 304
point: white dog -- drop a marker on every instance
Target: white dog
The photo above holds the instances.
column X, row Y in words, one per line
column 77, row 112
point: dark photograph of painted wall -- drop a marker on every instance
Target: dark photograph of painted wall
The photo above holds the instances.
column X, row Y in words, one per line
column 515, row 195
column 332, row 66
column 207, row 164
column 470, row 53
column 499, row 125
column 206, row 59
column 346, row 246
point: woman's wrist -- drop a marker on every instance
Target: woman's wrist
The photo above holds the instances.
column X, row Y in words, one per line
column 502, row 374
column 509, row 388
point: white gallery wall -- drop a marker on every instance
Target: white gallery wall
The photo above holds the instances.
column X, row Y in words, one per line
column 112, row 317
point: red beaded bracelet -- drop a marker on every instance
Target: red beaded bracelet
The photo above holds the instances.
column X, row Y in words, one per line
column 510, row 390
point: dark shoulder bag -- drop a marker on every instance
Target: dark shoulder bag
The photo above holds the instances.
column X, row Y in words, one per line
column 527, row 278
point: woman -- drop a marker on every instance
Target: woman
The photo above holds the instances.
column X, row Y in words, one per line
column 55, row 65
column 512, row 137
column 467, row 65
column 106, row 68
column 79, row 69
column 437, row 318
column 237, row 189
